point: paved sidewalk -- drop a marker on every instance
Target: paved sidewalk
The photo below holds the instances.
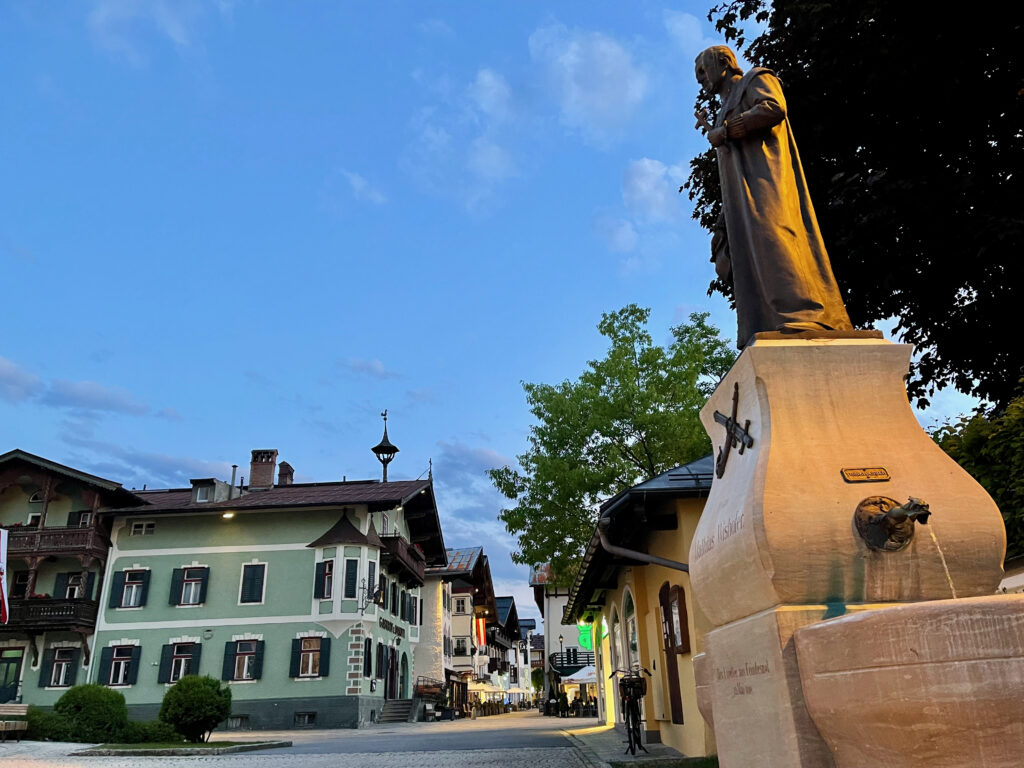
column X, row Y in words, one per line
column 602, row 744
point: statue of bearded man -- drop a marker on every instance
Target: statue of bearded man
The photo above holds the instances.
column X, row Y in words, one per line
column 767, row 242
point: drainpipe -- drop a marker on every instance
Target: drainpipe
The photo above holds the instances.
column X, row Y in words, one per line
column 612, row 549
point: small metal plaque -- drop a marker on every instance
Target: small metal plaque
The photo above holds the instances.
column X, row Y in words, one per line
column 865, row 474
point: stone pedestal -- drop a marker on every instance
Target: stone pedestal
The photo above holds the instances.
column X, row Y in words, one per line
column 822, row 425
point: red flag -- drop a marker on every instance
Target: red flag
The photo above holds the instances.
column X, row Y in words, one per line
column 480, row 625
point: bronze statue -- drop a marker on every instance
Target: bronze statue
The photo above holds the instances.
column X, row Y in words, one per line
column 766, row 242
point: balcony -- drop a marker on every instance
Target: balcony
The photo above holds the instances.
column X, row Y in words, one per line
column 41, row 614
column 571, row 661
column 403, row 559
column 58, row 542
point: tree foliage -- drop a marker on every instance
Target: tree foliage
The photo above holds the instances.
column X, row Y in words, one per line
column 93, row 713
column 628, row 417
column 991, row 448
column 196, row 705
column 910, row 124
column 537, row 679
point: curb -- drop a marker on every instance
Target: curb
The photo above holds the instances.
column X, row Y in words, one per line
column 182, row 752
column 589, row 756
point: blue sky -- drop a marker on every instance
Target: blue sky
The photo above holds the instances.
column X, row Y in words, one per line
column 233, row 225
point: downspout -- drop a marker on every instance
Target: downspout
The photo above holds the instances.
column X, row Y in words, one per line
column 643, row 557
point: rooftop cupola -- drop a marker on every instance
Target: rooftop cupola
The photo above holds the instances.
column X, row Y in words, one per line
column 384, row 450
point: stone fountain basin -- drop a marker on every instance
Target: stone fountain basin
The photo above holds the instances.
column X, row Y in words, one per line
column 937, row 683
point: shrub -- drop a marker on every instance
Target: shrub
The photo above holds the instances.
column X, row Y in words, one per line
column 151, row 732
column 195, row 705
column 94, row 713
column 44, row 725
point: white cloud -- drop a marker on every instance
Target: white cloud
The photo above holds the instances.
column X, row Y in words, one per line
column 596, row 83
column 618, row 234
column 372, row 368
column 92, row 396
column 491, row 94
column 489, row 161
column 362, row 189
column 17, row 384
column 650, row 189
column 117, row 25
column 687, row 31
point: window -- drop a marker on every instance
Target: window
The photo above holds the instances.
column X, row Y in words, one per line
column 309, row 663
column 383, row 524
column 460, row 646
column 351, row 579
column 75, row 587
column 80, row 519
column 122, row 661
column 143, row 529
column 403, row 606
column 203, row 493
column 34, row 518
column 668, row 598
column 460, row 605
column 243, row 660
column 253, row 580
column 134, row 583
column 380, row 660
column 188, row 585
column 324, row 586
column 615, row 641
column 304, row 719
column 311, row 657
column 383, row 599
column 62, row 672
column 181, row 661
column 632, row 647
column 19, row 585
column 394, row 598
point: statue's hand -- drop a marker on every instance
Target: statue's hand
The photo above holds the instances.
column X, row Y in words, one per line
column 717, row 136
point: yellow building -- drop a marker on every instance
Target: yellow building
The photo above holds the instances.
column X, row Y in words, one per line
column 634, row 593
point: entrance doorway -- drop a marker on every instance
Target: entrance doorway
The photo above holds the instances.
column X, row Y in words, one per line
column 403, row 683
column 10, row 673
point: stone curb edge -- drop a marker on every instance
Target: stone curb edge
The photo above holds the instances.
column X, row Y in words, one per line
column 589, row 755
column 183, row 752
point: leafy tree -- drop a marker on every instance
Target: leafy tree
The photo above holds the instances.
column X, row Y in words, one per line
column 195, row 706
column 537, row 679
column 909, row 123
column 991, row 448
column 628, row 417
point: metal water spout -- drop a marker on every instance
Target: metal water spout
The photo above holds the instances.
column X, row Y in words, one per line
column 887, row 525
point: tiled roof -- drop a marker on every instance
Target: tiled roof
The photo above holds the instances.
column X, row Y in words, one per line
column 299, row 495
column 460, row 561
column 537, row 642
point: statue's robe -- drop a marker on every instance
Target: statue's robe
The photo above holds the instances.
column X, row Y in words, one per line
column 780, row 269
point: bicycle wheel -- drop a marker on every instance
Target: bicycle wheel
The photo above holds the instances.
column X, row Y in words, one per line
column 634, row 736
column 630, row 730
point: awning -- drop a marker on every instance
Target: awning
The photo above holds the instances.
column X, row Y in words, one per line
column 583, row 677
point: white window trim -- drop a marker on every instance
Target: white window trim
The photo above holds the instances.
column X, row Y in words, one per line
column 143, row 523
column 131, row 607
column 241, row 581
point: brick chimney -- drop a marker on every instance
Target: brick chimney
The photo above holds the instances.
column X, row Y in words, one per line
column 261, row 469
column 285, row 473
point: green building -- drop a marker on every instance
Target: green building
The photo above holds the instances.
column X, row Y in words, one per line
column 303, row 597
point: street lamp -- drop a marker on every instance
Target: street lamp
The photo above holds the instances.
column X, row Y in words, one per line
column 561, row 651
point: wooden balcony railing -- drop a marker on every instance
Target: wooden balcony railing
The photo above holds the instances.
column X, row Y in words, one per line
column 44, row 613
column 43, row 542
column 403, row 559
column 570, row 661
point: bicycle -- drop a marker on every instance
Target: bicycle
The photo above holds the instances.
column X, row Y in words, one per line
column 632, row 688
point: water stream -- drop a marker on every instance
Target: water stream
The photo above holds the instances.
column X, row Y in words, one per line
column 952, row 589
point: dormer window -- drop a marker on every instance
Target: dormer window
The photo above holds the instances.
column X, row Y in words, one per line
column 203, row 493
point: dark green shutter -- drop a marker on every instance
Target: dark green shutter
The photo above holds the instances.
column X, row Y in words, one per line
column 371, row 577
column 318, row 580
column 203, row 585
column 74, row 666
column 227, row 671
column 325, row 656
column 46, row 670
column 90, row 582
column 74, row 518
column 177, row 581
column 60, row 588
column 106, row 657
column 116, row 590
column 145, row 588
column 163, row 675
column 257, row 664
column 133, row 669
column 252, row 583
column 351, row 577
column 380, row 660
column 197, row 653
column 367, row 658
column 293, row 670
